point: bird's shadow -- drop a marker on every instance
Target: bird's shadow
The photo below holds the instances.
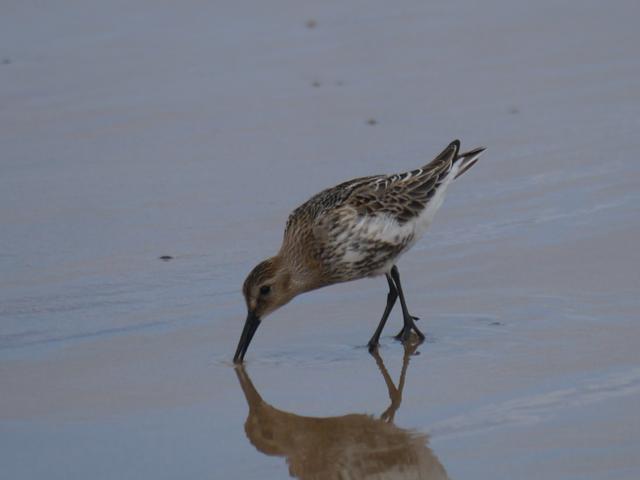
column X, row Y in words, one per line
column 354, row 446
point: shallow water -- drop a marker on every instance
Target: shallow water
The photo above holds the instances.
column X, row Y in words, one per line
column 133, row 130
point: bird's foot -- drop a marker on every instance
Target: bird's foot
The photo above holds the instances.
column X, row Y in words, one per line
column 405, row 334
column 400, row 334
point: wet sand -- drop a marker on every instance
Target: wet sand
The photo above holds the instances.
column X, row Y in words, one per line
column 136, row 130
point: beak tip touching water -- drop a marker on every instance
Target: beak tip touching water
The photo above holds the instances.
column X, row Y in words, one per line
column 250, row 327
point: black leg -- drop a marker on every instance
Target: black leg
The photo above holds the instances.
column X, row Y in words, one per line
column 409, row 323
column 391, row 301
column 400, row 334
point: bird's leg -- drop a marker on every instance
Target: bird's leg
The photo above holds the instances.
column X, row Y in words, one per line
column 400, row 334
column 391, row 301
column 409, row 323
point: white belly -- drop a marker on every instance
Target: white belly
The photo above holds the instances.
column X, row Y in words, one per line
column 386, row 230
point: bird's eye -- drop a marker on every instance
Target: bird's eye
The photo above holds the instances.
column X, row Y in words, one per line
column 265, row 289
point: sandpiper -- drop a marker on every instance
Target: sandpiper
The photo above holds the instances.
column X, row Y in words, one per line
column 354, row 230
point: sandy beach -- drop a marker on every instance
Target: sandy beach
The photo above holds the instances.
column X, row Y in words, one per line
column 139, row 129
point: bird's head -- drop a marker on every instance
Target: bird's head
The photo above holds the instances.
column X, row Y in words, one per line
column 267, row 288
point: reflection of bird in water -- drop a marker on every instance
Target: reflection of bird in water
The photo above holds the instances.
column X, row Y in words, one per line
column 354, row 446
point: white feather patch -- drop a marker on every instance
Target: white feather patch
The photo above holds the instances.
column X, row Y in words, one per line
column 385, row 228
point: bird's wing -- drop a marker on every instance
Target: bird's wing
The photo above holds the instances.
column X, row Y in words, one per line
column 405, row 195
column 326, row 203
column 401, row 196
column 361, row 223
column 341, row 215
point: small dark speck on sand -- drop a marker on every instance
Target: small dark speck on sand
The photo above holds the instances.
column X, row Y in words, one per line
column 311, row 23
column 513, row 110
column 6, row 61
column 372, row 121
column 166, row 258
column 316, row 84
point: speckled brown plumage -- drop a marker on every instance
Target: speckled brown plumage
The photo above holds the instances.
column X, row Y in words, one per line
column 320, row 231
column 356, row 229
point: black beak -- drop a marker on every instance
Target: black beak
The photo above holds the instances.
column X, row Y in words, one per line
column 250, row 327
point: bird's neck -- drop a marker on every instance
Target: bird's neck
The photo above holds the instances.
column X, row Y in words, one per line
column 301, row 276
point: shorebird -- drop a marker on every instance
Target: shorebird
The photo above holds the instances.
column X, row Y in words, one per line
column 354, row 230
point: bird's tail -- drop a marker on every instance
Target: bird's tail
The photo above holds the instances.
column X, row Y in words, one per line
column 468, row 160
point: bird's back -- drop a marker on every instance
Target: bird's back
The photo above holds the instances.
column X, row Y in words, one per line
column 359, row 228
